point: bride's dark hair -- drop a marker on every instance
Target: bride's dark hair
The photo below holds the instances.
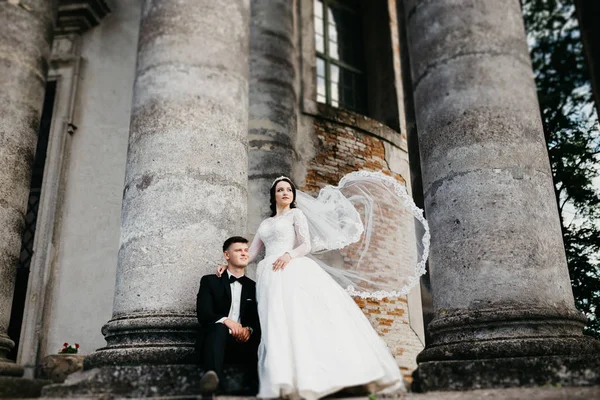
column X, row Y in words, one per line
column 272, row 199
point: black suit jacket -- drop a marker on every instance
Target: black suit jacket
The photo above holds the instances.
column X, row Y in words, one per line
column 214, row 301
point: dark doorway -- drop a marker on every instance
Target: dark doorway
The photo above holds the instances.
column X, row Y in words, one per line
column 18, row 304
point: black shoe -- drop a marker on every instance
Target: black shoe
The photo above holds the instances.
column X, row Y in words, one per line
column 209, row 382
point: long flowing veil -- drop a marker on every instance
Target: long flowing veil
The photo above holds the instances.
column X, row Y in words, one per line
column 368, row 234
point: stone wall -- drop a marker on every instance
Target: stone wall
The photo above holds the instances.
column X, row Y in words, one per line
column 347, row 142
column 87, row 241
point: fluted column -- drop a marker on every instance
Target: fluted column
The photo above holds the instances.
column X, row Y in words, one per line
column 25, row 43
column 186, row 175
column 272, row 113
column 504, row 310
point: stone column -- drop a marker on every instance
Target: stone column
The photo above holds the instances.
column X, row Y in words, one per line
column 272, row 113
column 25, row 44
column 186, row 175
column 503, row 307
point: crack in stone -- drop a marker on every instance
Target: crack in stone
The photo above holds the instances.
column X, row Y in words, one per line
column 435, row 65
column 31, row 68
column 148, row 179
column 516, row 173
column 434, row 186
column 185, row 69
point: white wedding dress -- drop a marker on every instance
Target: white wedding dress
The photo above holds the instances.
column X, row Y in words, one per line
column 315, row 339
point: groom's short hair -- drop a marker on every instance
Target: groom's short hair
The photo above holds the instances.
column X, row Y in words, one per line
column 232, row 240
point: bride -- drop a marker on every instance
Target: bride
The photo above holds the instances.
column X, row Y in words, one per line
column 315, row 339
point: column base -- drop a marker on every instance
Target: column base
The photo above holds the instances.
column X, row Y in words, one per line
column 581, row 370
column 147, row 381
column 18, row 388
column 507, row 346
column 140, row 355
column 146, row 339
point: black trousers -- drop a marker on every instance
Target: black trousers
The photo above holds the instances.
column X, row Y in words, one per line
column 220, row 348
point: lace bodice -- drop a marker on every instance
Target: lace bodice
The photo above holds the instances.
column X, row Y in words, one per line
column 281, row 234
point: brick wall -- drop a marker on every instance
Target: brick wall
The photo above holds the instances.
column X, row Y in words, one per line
column 342, row 147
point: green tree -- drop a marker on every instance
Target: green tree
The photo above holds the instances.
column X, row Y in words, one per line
column 571, row 129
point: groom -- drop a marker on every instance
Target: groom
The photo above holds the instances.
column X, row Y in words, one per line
column 228, row 317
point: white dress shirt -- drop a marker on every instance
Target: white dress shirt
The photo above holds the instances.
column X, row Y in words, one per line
column 236, row 296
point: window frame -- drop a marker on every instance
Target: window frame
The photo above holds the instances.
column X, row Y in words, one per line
column 65, row 70
column 329, row 60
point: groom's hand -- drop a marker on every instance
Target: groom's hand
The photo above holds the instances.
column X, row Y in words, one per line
column 244, row 336
column 235, row 328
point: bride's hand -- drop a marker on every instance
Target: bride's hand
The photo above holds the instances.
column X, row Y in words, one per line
column 281, row 262
column 220, row 270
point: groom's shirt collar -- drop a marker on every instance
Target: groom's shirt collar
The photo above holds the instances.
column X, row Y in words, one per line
column 229, row 274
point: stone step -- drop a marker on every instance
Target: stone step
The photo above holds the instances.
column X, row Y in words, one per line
column 15, row 388
column 538, row 393
column 148, row 381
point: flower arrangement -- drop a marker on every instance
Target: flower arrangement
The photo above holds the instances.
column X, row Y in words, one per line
column 68, row 349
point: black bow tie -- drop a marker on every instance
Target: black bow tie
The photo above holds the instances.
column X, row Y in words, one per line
column 233, row 279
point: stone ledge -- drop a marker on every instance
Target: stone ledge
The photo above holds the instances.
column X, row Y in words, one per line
column 540, row 371
column 10, row 368
column 146, row 381
column 360, row 122
column 538, row 393
column 18, row 388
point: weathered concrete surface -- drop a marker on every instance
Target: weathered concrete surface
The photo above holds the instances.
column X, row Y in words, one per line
column 488, row 372
column 16, row 388
column 272, row 102
column 25, row 42
column 147, row 381
column 545, row 393
column 186, row 175
column 498, row 269
column 542, row 393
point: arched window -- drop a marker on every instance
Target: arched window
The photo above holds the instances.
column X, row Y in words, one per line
column 339, row 48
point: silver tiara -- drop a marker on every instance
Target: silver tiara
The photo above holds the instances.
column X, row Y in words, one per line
column 278, row 179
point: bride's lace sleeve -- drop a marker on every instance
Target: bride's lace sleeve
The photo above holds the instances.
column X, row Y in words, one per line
column 255, row 248
column 302, row 235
